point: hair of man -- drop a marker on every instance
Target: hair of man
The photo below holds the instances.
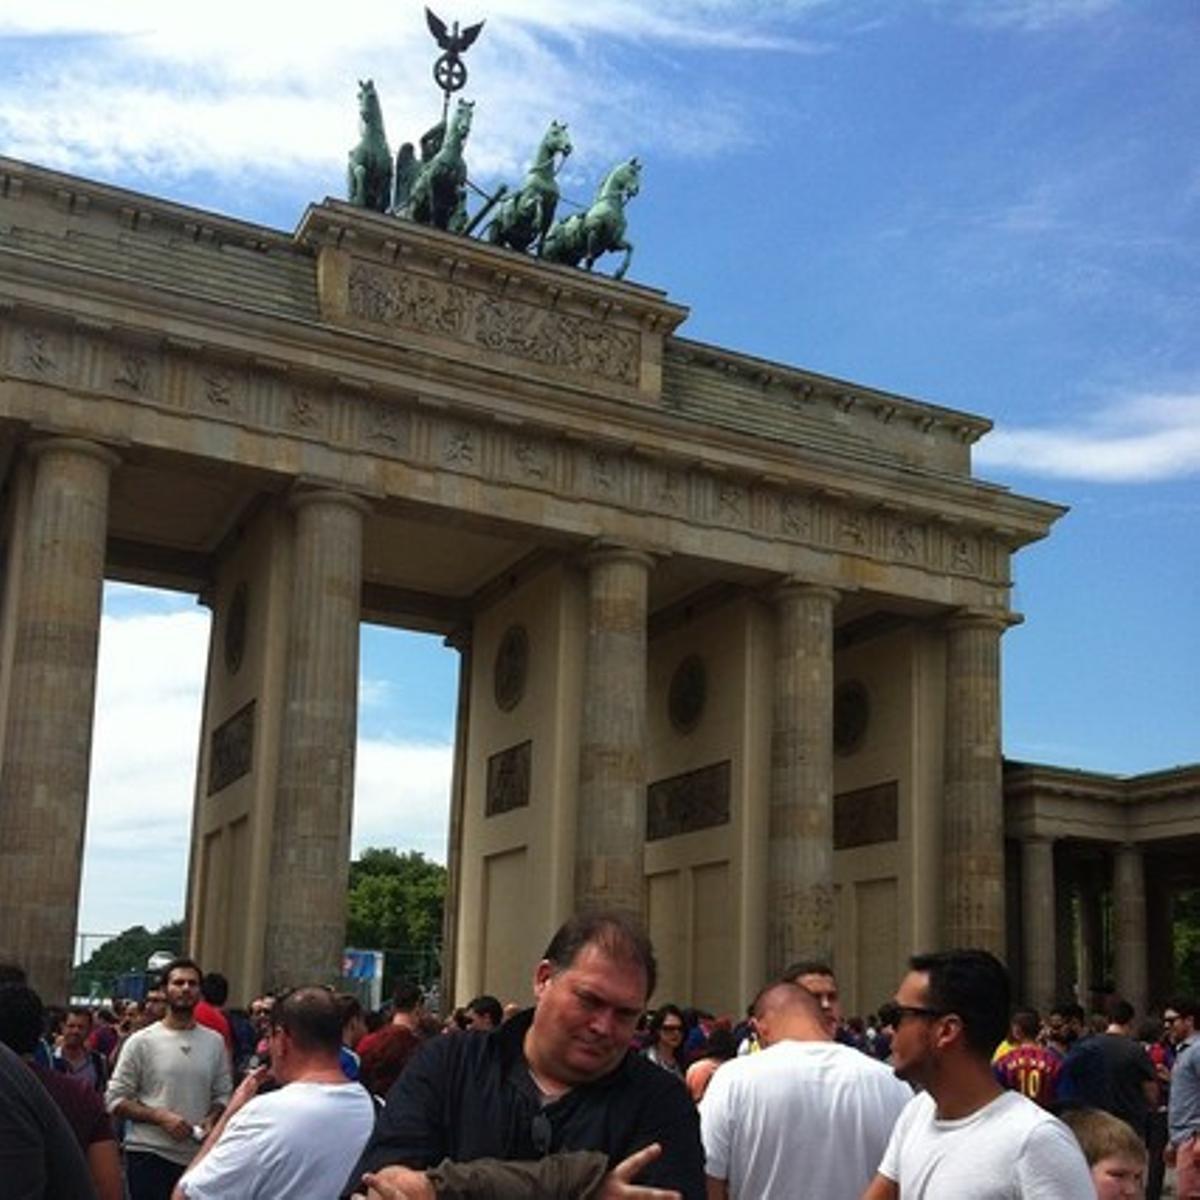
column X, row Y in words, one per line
column 488, row 1006
column 1101, row 1135
column 974, row 986
column 614, row 933
column 407, row 997
column 22, row 1017
column 178, row 964
column 214, row 987
column 81, row 1010
column 805, row 966
column 1118, row 1011
column 1186, row 1006
column 11, row 972
column 1026, row 1023
column 349, row 1007
column 312, row 1018
column 785, row 996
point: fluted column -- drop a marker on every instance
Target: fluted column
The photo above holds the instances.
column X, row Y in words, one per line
column 47, row 747
column 1129, row 925
column 310, row 851
column 1038, row 921
column 973, row 811
column 800, row 824
column 611, row 818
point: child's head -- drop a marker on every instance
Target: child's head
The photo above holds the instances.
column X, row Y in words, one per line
column 1115, row 1154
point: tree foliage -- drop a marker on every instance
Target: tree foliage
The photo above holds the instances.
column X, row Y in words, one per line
column 1186, row 936
column 395, row 904
column 128, row 951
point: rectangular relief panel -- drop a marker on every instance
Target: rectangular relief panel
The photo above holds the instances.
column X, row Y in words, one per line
column 507, row 902
column 714, row 956
column 878, row 942
column 508, row 779
column 665, row 921
column 689, row 802
column 231, row 749
column 867, row 816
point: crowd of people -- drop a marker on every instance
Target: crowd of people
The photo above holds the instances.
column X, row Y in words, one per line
column 942, row 1093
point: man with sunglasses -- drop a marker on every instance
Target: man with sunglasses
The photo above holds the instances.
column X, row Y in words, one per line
column 964, row 1134
column 1183, row 1108
column 556, row 1078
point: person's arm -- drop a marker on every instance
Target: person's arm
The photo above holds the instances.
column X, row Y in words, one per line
column 668, row 1117
column 220, row 1118
column 882, row 1188
column 716, row 1189
column 104, row 1166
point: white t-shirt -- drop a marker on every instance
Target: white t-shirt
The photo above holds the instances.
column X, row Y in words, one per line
column 301, row 1141
column 799, row 1119
column 1010, row 1148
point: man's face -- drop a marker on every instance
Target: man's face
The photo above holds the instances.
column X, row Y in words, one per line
column 913, row 1044
column 585, row 1015
column 1178, row 1028
column 75, row 1030
column 478, row 1020
column 183, row 990
column 824, row 987
column 156, row 1005
column 1119, row 1177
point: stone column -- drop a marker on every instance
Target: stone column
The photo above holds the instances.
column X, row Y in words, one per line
column 310, row 850
column 1129, row 925
column 1038, row 921
column 1091, row 942
column 973, row 812
column 48, row 740
column 611, row 819
column 800, row 824
column 459, row 640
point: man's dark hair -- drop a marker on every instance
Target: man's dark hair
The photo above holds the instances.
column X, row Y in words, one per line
column 1186, row 1006
column 21, row 1017
column 349, row 1007
column 178, row 964
column 973, row 985
column 1026, row 1023
column 81, row 1010
column 805, row 966
column 1070, row 1011
column 311, row 1017
column 490, row 1007
column 1118, row 1011
column 11, row 972
column 214, row 987
column 407, row 997
column 616, row 934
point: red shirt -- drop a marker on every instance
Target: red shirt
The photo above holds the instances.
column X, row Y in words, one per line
column 214, row 1019
column 1031, row 1070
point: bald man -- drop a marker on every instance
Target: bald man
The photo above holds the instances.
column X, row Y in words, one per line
column 805, row 1117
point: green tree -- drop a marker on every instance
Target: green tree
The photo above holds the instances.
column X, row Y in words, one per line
column 395, row 904
column 1186, row 936
column 126, row 952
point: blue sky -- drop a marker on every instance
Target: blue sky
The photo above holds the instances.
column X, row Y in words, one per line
column 990, row 205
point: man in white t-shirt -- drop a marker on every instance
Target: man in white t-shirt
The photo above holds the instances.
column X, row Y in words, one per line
column 964, row 1135
column 804, row 1117
column 298, row 1141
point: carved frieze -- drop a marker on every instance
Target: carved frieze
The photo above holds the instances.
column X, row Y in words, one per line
column 687, row 803
column 866, row 817
column 508, row 779
column 511, row 327
column 231, row 753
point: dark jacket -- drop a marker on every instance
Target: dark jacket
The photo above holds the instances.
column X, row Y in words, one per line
column 467, row 1096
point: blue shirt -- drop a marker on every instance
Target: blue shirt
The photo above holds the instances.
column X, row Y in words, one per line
column 1183, row 1112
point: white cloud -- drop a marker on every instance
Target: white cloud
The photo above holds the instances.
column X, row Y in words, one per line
column 149, row 89
column 1029, row 16
column 1144, row 438
column 148, row 706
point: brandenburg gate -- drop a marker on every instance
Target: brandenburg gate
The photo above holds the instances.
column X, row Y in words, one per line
column 729, row 630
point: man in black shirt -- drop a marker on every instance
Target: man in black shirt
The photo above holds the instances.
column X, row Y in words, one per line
column 558, row 1077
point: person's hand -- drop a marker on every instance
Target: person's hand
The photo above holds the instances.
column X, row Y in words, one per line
column 618, row 1183
column 398, row 1183
column 175, row 1125
column 248, row 1088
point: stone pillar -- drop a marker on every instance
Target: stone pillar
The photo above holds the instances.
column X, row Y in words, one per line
column 48, row 739
column 1129, row 925
column 459, row 640
column 1038, row 921
column 1091, row 936
column 611, row 819
column 800, row 823
column 973, row 807
column 310, row 849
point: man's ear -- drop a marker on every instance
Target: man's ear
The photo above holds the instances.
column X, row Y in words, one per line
column 543, row 973
column 950, row 1032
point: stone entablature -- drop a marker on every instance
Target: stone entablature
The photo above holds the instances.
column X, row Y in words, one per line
column 1054, row 802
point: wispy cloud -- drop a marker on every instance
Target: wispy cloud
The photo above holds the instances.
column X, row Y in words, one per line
column 149, row 89
column 1145, row 438
column 1030, row 16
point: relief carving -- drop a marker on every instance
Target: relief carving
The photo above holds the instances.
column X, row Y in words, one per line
column 421, row 304
column 732, row 501
column 796, row 516
column 459, row 448
column 39, row 353
column 133, row 374
column 303, row 411
column 384, row 426
column 962, row 554
column 906, row 542
column 530, row 458
column 219, row 388
column 852, row 531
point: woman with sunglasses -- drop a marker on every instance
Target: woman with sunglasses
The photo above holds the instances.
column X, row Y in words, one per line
column 667, row 1031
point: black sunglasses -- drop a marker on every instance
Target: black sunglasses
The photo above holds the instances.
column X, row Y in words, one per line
column 892, row 1013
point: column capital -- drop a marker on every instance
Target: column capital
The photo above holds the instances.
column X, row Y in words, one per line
column 604, row 551
column 793, row 587
column 981, row 618
column 73, row 445
column 1037, row 839
column 300, row 497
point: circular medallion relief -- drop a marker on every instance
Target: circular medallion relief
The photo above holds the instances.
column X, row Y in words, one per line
column 512, row 667
column 235, row 628
column 687, row 694
column 851, row 714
